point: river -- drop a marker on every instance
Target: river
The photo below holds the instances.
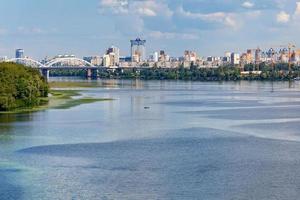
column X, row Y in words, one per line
column 158, row 140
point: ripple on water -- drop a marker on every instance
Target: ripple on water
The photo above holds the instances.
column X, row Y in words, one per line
column 174, row 168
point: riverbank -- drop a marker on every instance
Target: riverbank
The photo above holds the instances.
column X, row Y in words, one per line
column 59, row 99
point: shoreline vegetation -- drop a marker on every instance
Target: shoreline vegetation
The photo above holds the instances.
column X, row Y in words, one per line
column 58, row 99
column 23, row 89
column 263, row 72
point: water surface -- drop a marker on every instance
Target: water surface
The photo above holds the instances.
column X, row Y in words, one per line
column 233, row 140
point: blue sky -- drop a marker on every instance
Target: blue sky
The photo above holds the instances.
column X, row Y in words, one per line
column 88, row 27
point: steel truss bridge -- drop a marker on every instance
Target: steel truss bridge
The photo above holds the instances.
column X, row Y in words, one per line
column 66, row 64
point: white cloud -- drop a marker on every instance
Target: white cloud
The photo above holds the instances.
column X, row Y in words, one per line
column 283, row 17
column 248, row 4
column 130, row 15
column 173, row 35
column 227, row 19
column 114, row 6
column 143, row 8
column 231, row 22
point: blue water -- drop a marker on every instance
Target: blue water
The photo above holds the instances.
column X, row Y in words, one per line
column 233, row 140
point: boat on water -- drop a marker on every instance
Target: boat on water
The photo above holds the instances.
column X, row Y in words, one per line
column 297, row 79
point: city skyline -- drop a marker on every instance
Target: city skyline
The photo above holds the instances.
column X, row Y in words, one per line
column 207, row 27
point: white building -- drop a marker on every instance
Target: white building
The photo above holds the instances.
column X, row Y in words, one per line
column 114, row 53
column 106, row 61
column 235, row 59
column 155, row 57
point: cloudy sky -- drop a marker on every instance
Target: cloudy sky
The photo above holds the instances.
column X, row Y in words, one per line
column 87, row 27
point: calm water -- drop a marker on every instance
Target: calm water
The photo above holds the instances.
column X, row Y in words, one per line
column 196, row 141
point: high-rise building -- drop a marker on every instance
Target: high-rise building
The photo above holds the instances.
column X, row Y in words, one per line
column 155, row 56
column 116, row 55
column 162, row 56
column 138, row 50
column 249, row 57
column 19, row 53
column 106, row 61
column 235, row 59
column 227, row 57
column 111, row 57
column 190, row 56
column 257, row 56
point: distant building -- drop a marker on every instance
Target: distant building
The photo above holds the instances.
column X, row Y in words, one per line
column 115, row 53
column 227, row 58
column 106, row 61
column 163, row 57
column 111, row 57
column 257, row 56
column 20, row 53
column 3, row 58
column 94, row 60
column 190, row 56
column 235, row 58
column 153, row 57
column 249, row 57
column 125, row 59
column 244, row 59
column 297, row 56
column 138, row 50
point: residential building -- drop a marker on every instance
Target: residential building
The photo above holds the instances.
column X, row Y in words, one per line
column 138, row 50
column 116, row 55
column 94, row 60
column 235, row 58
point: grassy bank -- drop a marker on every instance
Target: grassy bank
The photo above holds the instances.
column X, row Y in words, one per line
column 83, row 84
column 59, row 99
column 63, row 99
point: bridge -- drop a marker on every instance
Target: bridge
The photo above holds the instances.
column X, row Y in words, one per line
column 66, row 63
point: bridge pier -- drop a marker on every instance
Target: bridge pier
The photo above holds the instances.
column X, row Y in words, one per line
column 45, row 73
column 92, row 73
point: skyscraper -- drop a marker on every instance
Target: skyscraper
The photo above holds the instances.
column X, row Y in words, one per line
column 138, row 50
column 19, row 53
column 257, row 56
column 116, row 55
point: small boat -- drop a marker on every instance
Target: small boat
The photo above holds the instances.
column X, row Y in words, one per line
column 146, row 107
column 297, row 79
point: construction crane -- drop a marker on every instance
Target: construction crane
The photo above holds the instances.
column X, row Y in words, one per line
column 289, row 47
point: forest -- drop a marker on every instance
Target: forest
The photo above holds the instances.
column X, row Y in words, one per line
column 21, row 87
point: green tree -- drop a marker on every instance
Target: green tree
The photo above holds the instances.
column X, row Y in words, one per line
column 20, row 86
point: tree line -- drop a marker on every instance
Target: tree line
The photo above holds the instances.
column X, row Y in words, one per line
column 223, row 73
column 20, row 87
